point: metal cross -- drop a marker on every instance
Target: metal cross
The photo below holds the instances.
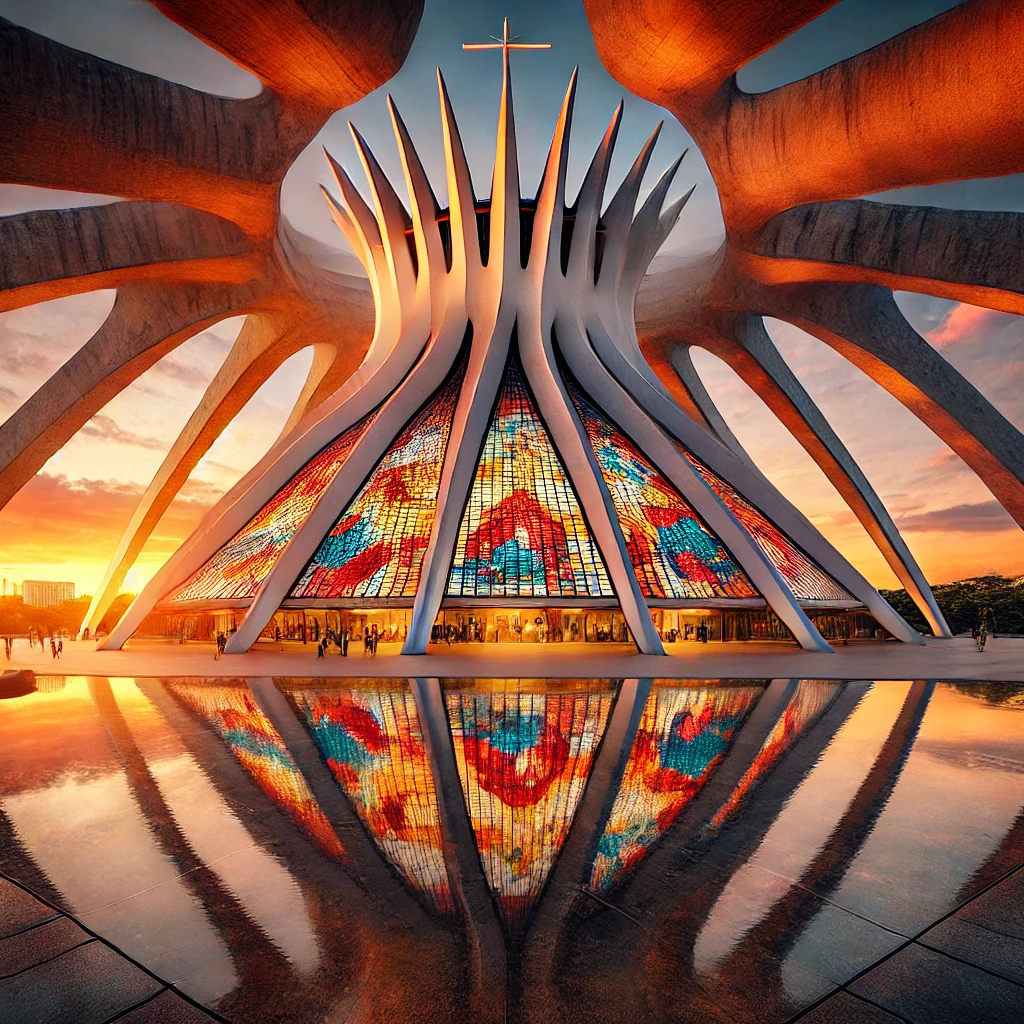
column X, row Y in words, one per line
column 504, row 45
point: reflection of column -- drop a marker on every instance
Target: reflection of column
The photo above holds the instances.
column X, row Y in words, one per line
column 701, row 873
column 340, row 936
column 705, row 880
column 568, row 877
column 253, row 955
column 745, row 748
column 1005, row 858
column 485, row 941
column 779, row 929
column 605, row 776
column 18, row 863
column 365, row 857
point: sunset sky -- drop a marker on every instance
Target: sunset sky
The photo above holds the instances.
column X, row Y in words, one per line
column 66, row 522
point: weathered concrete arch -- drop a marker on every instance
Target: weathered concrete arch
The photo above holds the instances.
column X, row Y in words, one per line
column 199, row 235
column 789, row 164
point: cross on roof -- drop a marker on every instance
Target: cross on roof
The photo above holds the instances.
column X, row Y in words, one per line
column 505, row 45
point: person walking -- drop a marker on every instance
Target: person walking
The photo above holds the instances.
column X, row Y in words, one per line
column 53, row 648
column 320, row 648
column 60, row 649
column 345, row 636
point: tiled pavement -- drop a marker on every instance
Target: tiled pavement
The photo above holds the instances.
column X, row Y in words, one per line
column 54, row 971
column 967, row 968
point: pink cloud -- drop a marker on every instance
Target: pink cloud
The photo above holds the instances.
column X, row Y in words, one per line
column 962, row 321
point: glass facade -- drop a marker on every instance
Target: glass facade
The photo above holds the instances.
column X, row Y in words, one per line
column 804, row 578
column 673, row 553
column 523, row 533
column 238, row 568
column 524, row 759
column 377, row 545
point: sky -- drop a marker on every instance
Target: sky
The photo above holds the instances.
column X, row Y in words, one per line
column 65, row 523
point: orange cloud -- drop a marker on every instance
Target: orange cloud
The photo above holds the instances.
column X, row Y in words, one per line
column 58, row 528
column 962, row 321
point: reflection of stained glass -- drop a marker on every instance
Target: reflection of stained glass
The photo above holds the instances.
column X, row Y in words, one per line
column 373, row 745
column 807, row 705
column 231, row 710
column 804, row 578
column 377, row 545
column 237, row 570
column 523, row 532
column 672, row 551
column 524, row 759
column 683, row 735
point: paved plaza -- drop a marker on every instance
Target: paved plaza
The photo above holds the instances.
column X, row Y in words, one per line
column 957, row 658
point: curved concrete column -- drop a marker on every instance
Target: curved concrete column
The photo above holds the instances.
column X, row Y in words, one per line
column 257, row 352
column 729, row 463
column 323, row 378
column 389, row 421
column 469, row 428
column 967, row 255
column 700, row 405
column 613, row 400
column 544, row 294
column 864, row 324
column 52, row 253
column 756, row 359
column 148, row 320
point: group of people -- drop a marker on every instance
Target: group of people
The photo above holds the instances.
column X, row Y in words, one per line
column 329, row 639
column 371, row 638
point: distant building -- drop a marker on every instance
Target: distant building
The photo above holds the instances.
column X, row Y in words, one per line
column 46, row 593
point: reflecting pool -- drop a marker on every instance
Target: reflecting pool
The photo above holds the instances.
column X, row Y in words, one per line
column 518, row 849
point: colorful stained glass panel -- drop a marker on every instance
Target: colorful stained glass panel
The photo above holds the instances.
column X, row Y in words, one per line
column 808, row 704
column 234, row 714
column 683, row 735
column 373, row 745
column 805, row 579
column 524, row 759
column 523, row 533
column 377, row 545
column 673, row 553
column 237, row 569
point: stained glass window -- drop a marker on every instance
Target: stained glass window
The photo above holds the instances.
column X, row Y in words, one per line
column 377, row 545
column 808, row 704
column 683, row 736
column 373, row 745
column 805, row 579
column 524, row 759
column 673, row 553
column 236, row 717
column 523, row 532
column 238, row 568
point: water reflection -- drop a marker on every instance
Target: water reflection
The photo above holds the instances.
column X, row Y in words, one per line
column 683, row 736
column 524, row 757
column 372, row 743
column 233, row 712
column 654, row 849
